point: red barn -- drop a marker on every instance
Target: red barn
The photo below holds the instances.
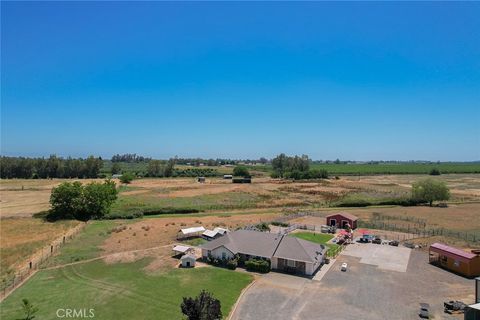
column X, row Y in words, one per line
column 341, row 219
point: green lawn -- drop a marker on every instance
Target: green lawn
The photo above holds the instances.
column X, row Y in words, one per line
column 321, row 238
column 123, row 291
column 195, row 242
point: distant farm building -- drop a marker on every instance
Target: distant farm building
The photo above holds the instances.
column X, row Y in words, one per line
column 227, row 176
column 454, row 259
column 201, row 179
column 242, row 180
column 341, row 219
column 188, row 260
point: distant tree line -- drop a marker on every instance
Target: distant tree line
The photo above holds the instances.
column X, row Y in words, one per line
column 129, row 157
column 52, row 167
column 219, row 162
column 296, row 168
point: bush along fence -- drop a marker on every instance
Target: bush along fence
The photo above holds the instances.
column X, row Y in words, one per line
column 10, row 282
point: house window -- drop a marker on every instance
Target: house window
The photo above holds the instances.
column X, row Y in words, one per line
column 291, row 263
column 456, row 263
column 224, row 255
column 209, row 252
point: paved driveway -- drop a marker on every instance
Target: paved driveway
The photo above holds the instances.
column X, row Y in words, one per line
column 363, row 292
column 384, row 256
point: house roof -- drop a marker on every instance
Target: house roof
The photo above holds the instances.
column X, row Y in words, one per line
column 268, row 245
column 452, row 251
column 343, row 214
column 292, row 248
column 192, row 230
column 253, row 243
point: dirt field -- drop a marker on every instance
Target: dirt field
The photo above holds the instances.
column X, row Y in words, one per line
column 148, row 233
column 24, row 197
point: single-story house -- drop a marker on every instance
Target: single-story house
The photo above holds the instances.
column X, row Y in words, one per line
column 454, row 259
column 341, row 219
column 190, row 232
column 284, row 253
column 188, row 260
column 215, row 233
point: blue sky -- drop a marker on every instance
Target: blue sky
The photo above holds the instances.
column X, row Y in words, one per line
column 355, row 81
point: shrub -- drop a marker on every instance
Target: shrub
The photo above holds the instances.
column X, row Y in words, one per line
column 280, row 224
column 241, row 171
column 262, row 226
column 232, row 264
column 126, row 177
column 257, row 265
column 434, row 172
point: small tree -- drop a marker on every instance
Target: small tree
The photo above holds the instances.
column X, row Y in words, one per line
column 29, row 310
column 126, row 177
column 202, row 307
column 429, row 190
column 434, row 172
column 241, row 171
column 116, row 168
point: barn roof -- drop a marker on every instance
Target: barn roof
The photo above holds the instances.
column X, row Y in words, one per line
column 192, row 230
column 343, row 214
column 181, row 249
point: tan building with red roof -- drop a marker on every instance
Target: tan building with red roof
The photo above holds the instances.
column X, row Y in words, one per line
column 456, row 260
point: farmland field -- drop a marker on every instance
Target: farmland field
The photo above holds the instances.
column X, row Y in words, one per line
column 123, row 290
column 398, row 168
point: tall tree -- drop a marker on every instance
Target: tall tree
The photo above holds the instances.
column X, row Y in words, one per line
column 430, row 190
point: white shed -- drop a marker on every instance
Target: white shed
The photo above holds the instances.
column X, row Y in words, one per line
column 188, row 261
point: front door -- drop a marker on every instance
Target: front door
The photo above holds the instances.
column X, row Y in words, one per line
column 333, row 222
column 188, row 263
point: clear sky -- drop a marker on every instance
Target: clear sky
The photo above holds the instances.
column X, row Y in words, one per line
column 354, row 81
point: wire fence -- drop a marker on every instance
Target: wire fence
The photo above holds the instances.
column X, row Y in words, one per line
column 10, row 282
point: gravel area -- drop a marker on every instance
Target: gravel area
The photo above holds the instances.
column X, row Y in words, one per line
column 365, row 291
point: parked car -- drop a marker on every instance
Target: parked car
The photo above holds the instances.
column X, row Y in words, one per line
column 363, row 240
column 409, row 245
column 377, row 240
column 394, row 243
column 344, row 266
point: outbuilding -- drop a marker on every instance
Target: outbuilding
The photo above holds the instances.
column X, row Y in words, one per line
column 454, row 259
column 190, row 232
column 188, row 261
column 341, row 219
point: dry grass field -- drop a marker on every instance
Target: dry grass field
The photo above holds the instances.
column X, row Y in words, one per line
column 22, row 237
